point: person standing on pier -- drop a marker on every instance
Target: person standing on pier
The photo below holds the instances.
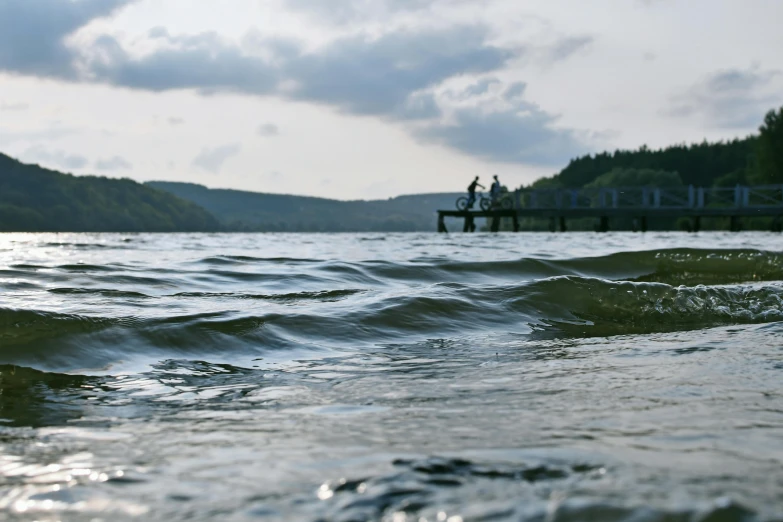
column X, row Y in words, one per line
column 494, row 191
column 472, row 192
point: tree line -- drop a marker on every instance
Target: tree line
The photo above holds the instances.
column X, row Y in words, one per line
column 754, row 160
column 261, row 212
column 34, row 199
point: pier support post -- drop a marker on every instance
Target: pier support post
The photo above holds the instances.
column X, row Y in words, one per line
column 603, row 224
column 696, row 224
column 470, row 225
column 515, row 218
column 552, row 224
column 563, row 227
column 495, row 226
column 777, row 225
column 734, row 224
column 639, row 224
column 441, row 224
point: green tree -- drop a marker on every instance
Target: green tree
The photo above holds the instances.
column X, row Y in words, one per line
column 770, row 149
column 698, row 164
column 618, row 177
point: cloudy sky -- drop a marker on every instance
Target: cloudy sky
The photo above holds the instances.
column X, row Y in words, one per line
column 374, row 98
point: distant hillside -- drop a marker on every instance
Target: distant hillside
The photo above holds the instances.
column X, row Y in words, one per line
column 34, row 199
column 239, row 210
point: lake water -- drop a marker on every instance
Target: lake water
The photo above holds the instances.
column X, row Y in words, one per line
column 418, row 377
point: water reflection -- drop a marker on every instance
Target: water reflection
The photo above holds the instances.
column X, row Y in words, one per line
column 36, row 399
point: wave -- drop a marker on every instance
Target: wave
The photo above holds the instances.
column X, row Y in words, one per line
column 575, row 306
column 84, row 267
column 63, row 342
column 237, row 260
column 104, row 292
column 670, row 266
column 699, row 266
column 81, row 245
column 293, row 297
column 562, row 306
column 324, row 295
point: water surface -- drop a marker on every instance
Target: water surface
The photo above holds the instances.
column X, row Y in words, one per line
column 346, row 377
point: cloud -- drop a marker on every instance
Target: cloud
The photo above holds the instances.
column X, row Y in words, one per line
column 203, row 62
column 509, row 136
column 500, row 125
column 348, row 11
column 268, row 129
column 394, row 75
column 731, row 98
column 566, row 47
column 418, row 106
column 115, row 163
column 55, row 158
column 212, row 160
column 515, row 91
column 481, row 87
column 14, row 107
column 32, row 33
column 376, row 77
column 36, row 135
column 359, row 75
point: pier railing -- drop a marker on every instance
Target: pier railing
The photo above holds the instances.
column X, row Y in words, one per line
column 639, row 198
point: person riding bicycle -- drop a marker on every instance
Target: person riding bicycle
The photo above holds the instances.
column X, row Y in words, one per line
column 472, row 191
column 495, row 190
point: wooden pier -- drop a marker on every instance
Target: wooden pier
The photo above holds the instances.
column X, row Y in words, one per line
column 637, row 204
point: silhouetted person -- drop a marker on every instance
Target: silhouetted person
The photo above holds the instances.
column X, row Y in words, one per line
column 494, row 190
column 472, row 191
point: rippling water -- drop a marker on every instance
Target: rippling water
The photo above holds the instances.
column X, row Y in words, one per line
column 419, row 377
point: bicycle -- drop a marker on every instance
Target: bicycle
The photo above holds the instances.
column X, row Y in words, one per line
column 485, row 202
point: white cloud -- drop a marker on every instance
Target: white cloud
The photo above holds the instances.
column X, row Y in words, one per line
column 268, row 129
column 113, row 163
column 212, row 160
column 55, row 158
column 731, row 98
column 13, row 107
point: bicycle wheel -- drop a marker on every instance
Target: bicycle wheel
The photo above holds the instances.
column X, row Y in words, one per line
column 462, row 203
column 506, row 203
column 486, row 204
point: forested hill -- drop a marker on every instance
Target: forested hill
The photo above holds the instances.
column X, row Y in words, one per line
column 702, row 164
column 256, row 211
column 34, row 199
column 757, row 159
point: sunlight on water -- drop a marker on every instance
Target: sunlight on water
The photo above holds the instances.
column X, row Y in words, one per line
column 418, row 377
